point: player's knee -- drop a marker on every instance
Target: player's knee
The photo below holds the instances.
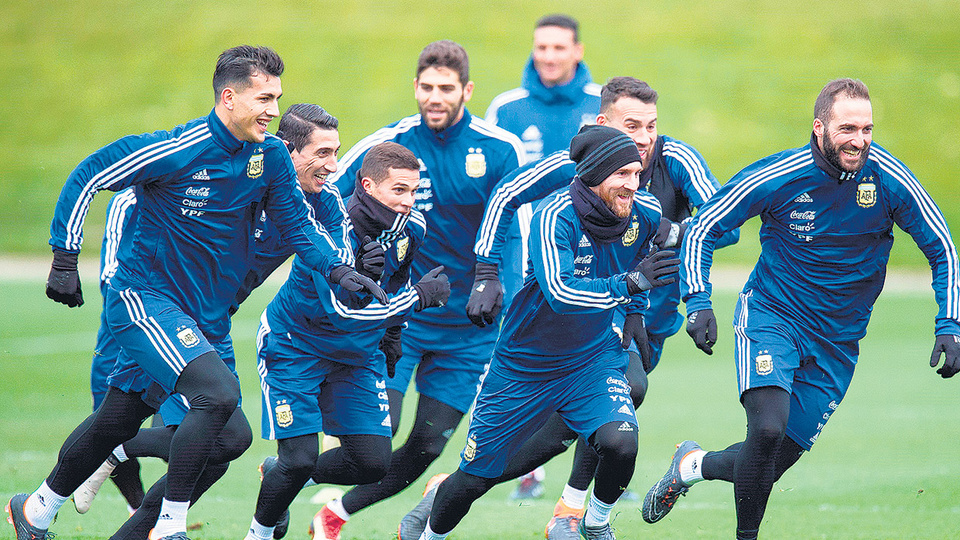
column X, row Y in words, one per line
column 233, row 441
column 374, row 461
column 297, row 461
column 613, row 442
column 638, row 390
column 209, row 385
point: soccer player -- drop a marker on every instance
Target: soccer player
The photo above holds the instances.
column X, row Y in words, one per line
column 310, row 134
column 557, row 352
column 461, row 158
column 677, row 175
column 828, row 211
column 556, row 97
column 319, row 363
column 199, row 187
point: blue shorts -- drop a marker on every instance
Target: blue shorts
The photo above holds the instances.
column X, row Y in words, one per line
column 449, row 376
column 304, row 394
column 773, row 351
column 509, row 411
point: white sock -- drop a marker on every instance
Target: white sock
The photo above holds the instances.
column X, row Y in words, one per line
column 172, row 520
column 691, row 467
column 42, row 506
column 428, row 534
column 120, row 454
column 598, row 512
column 574, row 498
column 539, row 474
column 336, row 506
column 258, row 531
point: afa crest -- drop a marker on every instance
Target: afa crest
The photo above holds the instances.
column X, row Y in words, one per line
column 867, row 194
column 764, row 364
column 632, row 233
column 187, row 337
column 470, row 451
column 476, row 164
column 402, row 245
column 284, row 415
column 255, row 165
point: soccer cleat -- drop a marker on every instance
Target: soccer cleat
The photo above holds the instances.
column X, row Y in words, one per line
column 528, row 488
column 602, row 532
column 283, row 524
column 175, row 536
column 25, row 531
column 564, row 525
column 326, row 524
column 83, row 496
column 662, row 496
column 413, row 524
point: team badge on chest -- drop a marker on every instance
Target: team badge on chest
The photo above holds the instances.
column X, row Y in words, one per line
column 632, row 233
column 255, row 165
column 402, row 245
column 476, row 163
column 867, row 194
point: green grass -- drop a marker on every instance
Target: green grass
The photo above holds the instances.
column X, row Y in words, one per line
column 882, row 469
column 737, row 79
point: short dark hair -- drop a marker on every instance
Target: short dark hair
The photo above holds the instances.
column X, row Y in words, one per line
column 448, row 54
column 619, row 87
column 562, row 21
column 851, row 88
column 299, row 122
column 238, row 64
column 385, row 156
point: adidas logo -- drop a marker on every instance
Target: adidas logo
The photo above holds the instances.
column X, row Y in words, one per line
column 625, row 409
column 584, row 241
column 386, row 421
column 202, row 175
column 626, row 426
column 805, row 198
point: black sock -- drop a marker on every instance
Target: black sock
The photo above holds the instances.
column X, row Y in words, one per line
column 127, row 479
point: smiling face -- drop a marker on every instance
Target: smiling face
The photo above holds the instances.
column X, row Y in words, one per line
column 845, row 138
column 247, row 110
column 616, row 190
column 317, row 159
column 555, row 54
column 396, row 191
column 638, row 120
column 440, row 97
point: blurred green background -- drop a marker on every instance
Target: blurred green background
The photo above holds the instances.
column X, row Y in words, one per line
column 737, row 79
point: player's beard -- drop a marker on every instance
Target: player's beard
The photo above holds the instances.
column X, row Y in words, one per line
column 831, row 151
column 452, row 113
column 620, row 208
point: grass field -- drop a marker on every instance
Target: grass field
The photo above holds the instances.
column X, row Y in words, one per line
column 882, row 470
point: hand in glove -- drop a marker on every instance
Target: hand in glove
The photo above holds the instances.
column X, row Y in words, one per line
column 486, row 296
column 370, row 259
column 634, row 330
column 392, row 349
column 669, row 234
column 947, row 345
column 702, row 327
column 433, row 289
column 654, row 270
column 63, row 283
column 350, row 280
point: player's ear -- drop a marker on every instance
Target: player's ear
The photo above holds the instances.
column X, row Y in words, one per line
column 468, row 91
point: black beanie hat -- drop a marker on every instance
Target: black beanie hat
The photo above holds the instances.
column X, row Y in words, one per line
column 599, row 151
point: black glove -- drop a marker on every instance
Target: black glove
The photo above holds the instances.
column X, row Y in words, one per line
column 349, row 279
column 433, row 289
column 702, row 327
column 634, row 330
column 486, row 296
column 652, row 270
column 392, row 349
column 63, row 283
column 370, row 259
column 669, row 234
column 949, row 346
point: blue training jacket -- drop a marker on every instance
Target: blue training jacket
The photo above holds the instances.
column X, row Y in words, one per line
column 546, row 118
column 684, row 167
column 563, row 314
column 458, row 168
column 307, row 310
column 825, row 239
column 199, row 191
